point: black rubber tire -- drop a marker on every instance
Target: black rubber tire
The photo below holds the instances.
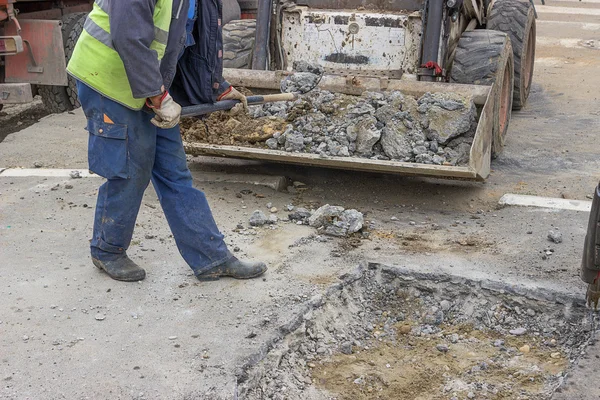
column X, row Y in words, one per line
column 516, row 18
column 58, row 99
column 485, row 57
column 231, row 11
column 238, row 43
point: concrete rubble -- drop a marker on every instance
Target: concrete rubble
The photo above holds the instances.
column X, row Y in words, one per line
column 328, row 220
column 305, row 77
column 436, row 128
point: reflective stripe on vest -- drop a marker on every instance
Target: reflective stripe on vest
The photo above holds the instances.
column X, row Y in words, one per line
column 96, row 62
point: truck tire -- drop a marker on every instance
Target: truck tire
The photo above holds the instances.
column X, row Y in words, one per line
column 516, row 18
column 231, row 11
column 238, row 43
column 485, row 57
column 59, row 99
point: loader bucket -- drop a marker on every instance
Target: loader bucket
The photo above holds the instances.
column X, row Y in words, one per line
column 478, row 167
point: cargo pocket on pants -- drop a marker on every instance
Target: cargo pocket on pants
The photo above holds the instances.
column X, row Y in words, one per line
column 108, row 153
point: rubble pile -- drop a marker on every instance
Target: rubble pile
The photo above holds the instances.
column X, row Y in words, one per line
column 433, row 129
column 328, row 220
column 436, row 128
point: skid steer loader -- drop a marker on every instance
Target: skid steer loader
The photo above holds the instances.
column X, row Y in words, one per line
column 480, row 48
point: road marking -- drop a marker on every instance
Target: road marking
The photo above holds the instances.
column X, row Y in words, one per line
column 46, row 172
column 586, row 26
column 510, row 199
column 571, row 43
column 567, row 10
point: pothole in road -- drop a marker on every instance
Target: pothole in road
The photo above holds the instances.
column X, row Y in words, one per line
column 386, row 333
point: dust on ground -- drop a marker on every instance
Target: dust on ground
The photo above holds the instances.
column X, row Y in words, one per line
column 424, row 240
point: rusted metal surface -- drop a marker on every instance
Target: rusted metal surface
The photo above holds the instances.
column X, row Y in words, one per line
column 480, row 154
column 55, row 13
column 43, row 61
column 15, row 93
column 375, row 5
column 356, row 42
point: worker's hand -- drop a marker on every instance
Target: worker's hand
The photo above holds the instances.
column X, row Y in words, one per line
column 168, row 112
column 233, row 94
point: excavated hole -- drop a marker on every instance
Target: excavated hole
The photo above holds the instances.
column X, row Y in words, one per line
column 386, row 333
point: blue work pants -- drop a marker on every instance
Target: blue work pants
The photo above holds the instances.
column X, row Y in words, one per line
column 126, row 149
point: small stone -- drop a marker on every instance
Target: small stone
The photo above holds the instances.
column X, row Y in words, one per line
column 258, row 218
column 346, row 348
column 172, row 337
column 518, row 331
column 25, row 338
column 272, row 143
column 299, row 185
column 269, row 205
column 324, row 215
column 404, row 329
column 555, row 236
column 525, row 349
column 445, row 305
column 289, row 207
column 471, row 395
column 100, row 317
column 273, row 209
column 530, row 312
column 552, row 343
column 272, row 219
column 359, row 381
column 442, row 347
column 454, row 338
column 300, row 214
column 75, row 175
column 68, row 186
column 498, row 343
column 236, row 249
column 555, row 355
column 38, row 164
column 394, row 218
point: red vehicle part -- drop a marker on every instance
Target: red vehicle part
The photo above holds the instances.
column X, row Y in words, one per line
column 43, row 58
column 32, row 48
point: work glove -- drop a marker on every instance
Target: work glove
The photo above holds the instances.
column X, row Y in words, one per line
column 233, row 94
column 168, row 112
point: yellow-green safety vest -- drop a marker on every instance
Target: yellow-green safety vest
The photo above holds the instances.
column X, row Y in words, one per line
column 96, row 63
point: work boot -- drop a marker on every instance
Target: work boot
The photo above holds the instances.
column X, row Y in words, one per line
column 120, row 267
column 234, row 268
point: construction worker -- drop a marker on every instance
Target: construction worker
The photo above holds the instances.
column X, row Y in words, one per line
column 125, row 61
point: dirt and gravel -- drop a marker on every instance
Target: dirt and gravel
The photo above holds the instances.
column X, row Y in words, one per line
column 387, row 333
column 432, row 129
column 171, row 337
